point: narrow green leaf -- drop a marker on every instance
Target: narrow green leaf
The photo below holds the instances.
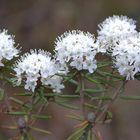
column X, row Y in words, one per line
column 30, row 136
column 42, row 96
column 73, row 82
column 17, row 100
column 94, row 90
column 89, row 135
column 23, row 94
column 67, row 105
column 76, row 135
column 40, row 116
column 69, row 78
column 36, row 100
column 51, row 94
column 16, row 113
column 89, row 78
column 102, row 98
column 20, row 102
column 10, row 127
column 75, row 117
column 69, row 96
column 1, row 94
column 40, row 130
column 103, row 73
column 78, row 88
column 91, row 106
column 66, row 79
column 129, row 97
column 109, row 115
column 104, row 64
column 103, row 81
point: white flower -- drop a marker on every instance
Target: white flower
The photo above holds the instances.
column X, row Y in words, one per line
column 55, row 83
column 78, row 49
column 113, row 29
column 38, row 67
column 7, row 47
column 126, row 56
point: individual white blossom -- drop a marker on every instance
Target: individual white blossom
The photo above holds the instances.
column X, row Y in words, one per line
column 7, row 47
column 77, row 49
column 126, row 56
column 114, row 29
column 38, row 67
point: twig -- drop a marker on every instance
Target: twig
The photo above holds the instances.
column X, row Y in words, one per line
column 82, row 100
column 39, row 111
column 101, row 101
column 110, row 103
column 98, row 134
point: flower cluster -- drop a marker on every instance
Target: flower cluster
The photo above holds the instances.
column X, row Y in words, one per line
column 7, row 47
column 127, row 56
column 117, row 36
column 114, row 29
column 38, row 67
column 78, row 49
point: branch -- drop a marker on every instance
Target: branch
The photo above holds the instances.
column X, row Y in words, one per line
column 110, row 103
column 82, row 96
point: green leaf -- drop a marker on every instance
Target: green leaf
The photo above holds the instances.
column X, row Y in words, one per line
column 100, row 79
column 94, row 90
column 10, row 127
column 30, row 136
column 75, row 117
column 36, row 100
column 69, row 96
column 42, row 96
column 129, row 97
column 91, row 106
column 103, row 81
column 103, row 73
column 1, row 94
column 89, row 78
column 73, row 82
column 104, row 64
column 69, row 78
column 40, row 130
column 67, row 105
column 20, row 102
column 51, row 94
column 89, row 135
column 109, row 115
column 76, row 135
column 24, row 94
column 16, row 113
column 40, row 116
column 78, row 88
column 102, row 98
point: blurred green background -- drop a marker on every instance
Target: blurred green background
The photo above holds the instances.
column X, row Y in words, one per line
column 36, row 24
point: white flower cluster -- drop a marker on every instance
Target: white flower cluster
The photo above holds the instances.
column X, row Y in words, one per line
column 38, row 67
column 7, row 47
column 77, row 49
column 127, row 56
column 114, row 29
column 118, row 37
